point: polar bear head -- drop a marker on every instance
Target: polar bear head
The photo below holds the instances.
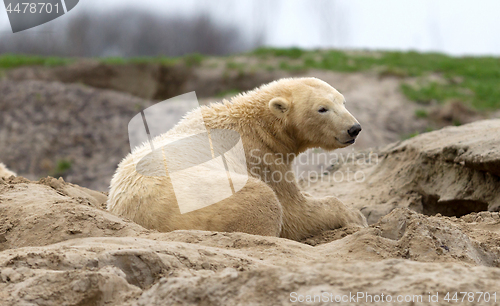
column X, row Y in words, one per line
column 315, row 114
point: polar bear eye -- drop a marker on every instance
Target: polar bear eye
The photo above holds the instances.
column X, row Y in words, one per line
column 322, row 110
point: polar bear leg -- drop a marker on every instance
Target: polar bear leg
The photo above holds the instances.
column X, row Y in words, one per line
column 254, row 209
column 258, row 212
column 341, row 215
column 316, row 215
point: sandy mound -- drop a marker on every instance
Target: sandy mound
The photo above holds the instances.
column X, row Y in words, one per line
column 453, row 172
column 50, row 211
column 59, row 247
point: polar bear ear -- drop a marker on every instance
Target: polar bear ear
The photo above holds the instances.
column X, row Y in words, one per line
column 279, row 107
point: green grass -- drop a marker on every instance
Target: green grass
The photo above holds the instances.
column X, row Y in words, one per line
column 421, row 113
column 234, row 65
column 193, row 60
column 229, row 92
column 411, row 135
column 8, row 61
column 62, row 167
column 424, row 94
column 138, row 60
column 283, row 65
column 473, row 80
column 291, row 52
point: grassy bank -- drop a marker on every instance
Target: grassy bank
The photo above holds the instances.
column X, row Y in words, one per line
column 435, row 77
column 473, row 80
column 8, row 61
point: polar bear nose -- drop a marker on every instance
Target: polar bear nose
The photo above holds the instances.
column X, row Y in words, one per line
column 354, row 130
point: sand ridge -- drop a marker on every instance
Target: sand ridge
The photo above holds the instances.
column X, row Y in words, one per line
column 58, row 246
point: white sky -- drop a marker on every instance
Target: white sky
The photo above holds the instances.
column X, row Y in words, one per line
column 451, row 26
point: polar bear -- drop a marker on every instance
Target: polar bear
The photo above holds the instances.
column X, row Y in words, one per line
column 4, row 172
column 283, row 118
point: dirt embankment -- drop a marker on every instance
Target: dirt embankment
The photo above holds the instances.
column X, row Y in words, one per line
column 59, row 247
column 64, row 130
column 60, row 122
column 148, row 80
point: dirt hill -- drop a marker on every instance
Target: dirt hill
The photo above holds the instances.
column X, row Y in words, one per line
column 80, row 132
column 59, row 247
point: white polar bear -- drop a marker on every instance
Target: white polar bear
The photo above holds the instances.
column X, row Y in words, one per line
column 283, row 118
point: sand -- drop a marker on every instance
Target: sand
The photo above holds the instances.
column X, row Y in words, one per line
column 432, row 202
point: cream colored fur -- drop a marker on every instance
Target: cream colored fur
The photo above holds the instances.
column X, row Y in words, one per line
column 278, row 118
column 4, row 172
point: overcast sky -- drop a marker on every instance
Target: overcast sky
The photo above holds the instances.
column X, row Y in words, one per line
column 451, row 26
